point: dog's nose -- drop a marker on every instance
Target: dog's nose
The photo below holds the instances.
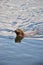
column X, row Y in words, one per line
column 15, row 31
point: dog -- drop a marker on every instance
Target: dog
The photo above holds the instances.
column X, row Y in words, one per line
column 20, row 34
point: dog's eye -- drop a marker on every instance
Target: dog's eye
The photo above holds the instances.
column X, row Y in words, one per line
column 18, row 32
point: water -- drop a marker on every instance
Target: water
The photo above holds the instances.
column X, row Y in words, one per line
column 26, row 15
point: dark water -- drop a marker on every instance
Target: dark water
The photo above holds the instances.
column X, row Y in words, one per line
column 26, row 15
column 29, row 51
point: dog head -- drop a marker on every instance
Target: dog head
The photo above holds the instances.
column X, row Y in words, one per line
column 19, row 33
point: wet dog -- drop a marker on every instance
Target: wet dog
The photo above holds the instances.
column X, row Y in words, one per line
column 20, row 34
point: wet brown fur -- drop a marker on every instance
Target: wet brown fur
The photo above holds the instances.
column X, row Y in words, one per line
column 19, row 33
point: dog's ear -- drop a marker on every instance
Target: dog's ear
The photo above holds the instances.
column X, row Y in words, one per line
column 21, row 32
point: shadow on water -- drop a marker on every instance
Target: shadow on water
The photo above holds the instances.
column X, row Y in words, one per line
column 18, row 39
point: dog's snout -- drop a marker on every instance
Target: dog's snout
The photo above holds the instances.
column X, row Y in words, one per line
column 15, row 31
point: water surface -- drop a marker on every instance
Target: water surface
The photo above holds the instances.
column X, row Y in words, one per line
column 26, row 15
